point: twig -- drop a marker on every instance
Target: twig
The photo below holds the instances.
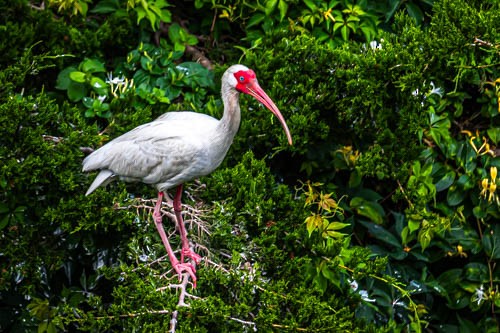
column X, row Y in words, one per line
column 182, row 286
column 55, row 139
column 41, row 7
column 199, row 57
column 244, row 322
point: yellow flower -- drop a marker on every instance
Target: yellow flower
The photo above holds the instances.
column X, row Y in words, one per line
column 493, row 174
column 328, row 15
column 492, row 189
column 469, row 133
column 484, row 148
column 484, row 186
column 460, row 251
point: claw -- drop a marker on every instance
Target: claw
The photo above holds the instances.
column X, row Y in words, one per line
column 190, row 254
column 188, row 268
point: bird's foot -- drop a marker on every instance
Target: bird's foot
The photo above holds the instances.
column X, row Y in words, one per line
column 188, row 268
column 187, row 252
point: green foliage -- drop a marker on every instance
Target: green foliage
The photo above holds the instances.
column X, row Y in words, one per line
column 341, row 19
column 416, row 9
column 160, row 78
column 154, row 78
column 332, row 22
column 153, row 11
column 393, row 223
column 78, row 81
column 327, row 208
column 180, row 37
column 73, row 7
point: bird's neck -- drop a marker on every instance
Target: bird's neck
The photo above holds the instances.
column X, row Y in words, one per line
column 230, row 121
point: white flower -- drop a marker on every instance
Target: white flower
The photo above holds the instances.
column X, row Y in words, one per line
column 437, row 91
column 115, row 80
column 353, row 284
column 101, row 98
column 374, row 45
column 363, row 293
column 364, row 296
column 479, row 295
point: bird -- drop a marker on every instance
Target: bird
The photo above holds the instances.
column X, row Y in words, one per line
column 175, row 148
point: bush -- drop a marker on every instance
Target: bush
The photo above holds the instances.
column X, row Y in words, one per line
column 380, row 218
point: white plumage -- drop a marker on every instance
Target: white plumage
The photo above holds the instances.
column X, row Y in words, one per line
column 178, row 147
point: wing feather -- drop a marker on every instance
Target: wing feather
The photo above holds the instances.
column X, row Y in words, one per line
column 169, row 150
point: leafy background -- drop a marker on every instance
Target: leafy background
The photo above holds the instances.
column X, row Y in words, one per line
column 382, row 217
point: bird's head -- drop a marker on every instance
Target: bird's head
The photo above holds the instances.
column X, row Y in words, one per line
column 244, row 80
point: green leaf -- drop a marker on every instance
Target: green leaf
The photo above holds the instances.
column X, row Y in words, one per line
column 382, row 234
column 415, row 12
column 370, row 209
column 320, row 282
column 76, row 91
column 330, row 230
column 476, row 272
column 455, row 195
column 344, row 32
column 327, row 273
column 311, row 4
column 77, row 76
column 165, row 16
column 466, row 182
column 479, row 212
column 283, row 8
column 198, row 4
column 494, row 134
column 255, row 20
column 88, row 102
column 153, row 19
column 269, row 6
column 312, row 223
column 99, row 85
column 174, row 32
column 413, row 225
column 355, row 179
column 445, row 181
column 106, row 7
column 392, row 7
column 92, row 66
column 63, row 79
column 368, row 194
column 196, row 73
column 491, row 242
column 141, row 13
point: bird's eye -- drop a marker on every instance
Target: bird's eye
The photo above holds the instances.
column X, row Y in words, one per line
column 242, row 78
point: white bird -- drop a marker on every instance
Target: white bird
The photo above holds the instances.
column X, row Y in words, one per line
column 178, row 147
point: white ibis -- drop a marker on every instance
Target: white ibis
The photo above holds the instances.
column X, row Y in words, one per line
column 178, row 147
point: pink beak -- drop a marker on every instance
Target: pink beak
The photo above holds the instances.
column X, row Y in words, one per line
column 256, row 91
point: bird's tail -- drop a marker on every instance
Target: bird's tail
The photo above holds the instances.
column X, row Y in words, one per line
column 102, row 179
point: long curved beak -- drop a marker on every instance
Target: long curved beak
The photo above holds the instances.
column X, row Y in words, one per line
column 256, row 91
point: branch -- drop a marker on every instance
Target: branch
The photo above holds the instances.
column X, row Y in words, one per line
column 182, row 286
column 199, row 57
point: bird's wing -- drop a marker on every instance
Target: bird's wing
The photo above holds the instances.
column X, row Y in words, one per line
column 155, row 152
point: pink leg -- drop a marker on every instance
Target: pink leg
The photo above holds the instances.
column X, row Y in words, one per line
column 186, row 249
column 178, row 266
